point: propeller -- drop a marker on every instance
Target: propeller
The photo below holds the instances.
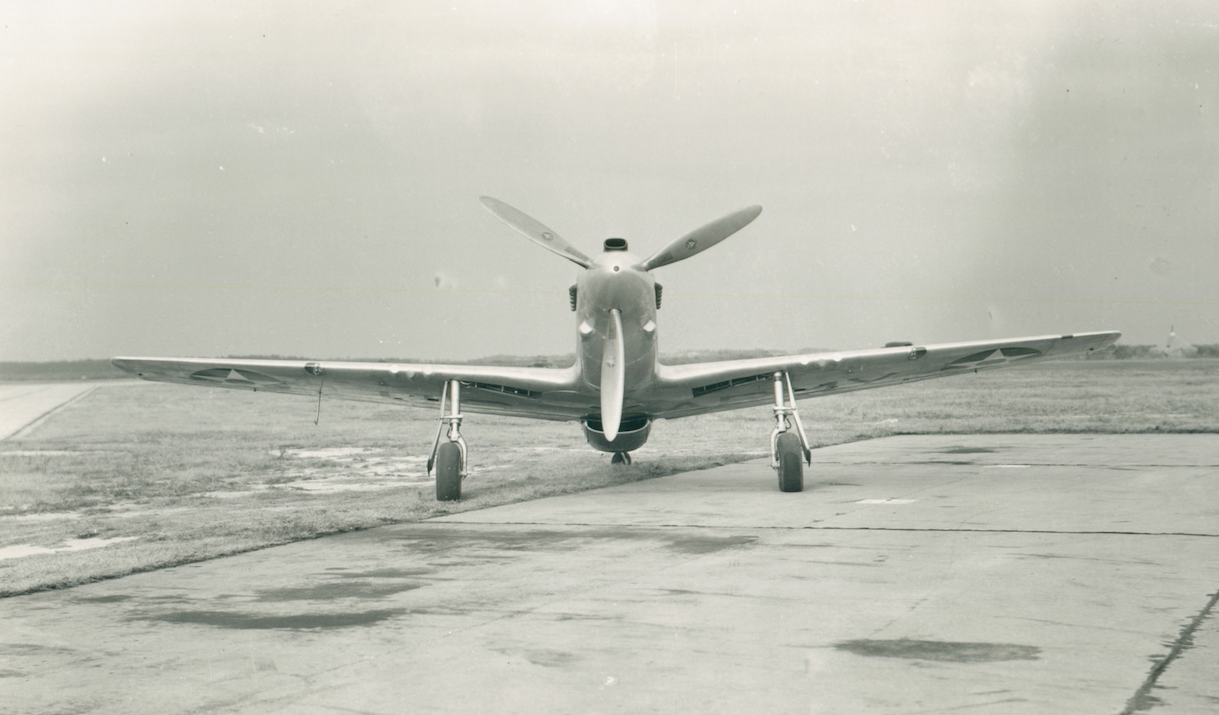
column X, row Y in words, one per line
column 533, row 230
column 700, row 239
column 613, row 377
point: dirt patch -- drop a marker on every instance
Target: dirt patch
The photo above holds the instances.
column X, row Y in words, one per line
column 21, row 550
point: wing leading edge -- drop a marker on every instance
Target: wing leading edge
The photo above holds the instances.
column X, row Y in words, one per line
column 543, row 393
column 714, row 386
column 559, row 394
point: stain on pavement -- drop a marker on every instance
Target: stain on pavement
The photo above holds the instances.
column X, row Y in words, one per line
column 949, row 651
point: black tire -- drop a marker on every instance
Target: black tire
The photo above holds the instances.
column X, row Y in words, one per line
column 448, row 472
column 791, row 463
column 620, row 458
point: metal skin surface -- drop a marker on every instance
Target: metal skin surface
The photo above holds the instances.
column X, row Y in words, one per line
column 702, row 238
column 632, row 434
column 617, row 282
column 535, row 231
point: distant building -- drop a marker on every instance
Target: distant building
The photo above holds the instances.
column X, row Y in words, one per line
column 1174, row 347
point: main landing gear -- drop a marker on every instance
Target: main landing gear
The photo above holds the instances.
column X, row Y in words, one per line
column 789, row 451
column 449, row 457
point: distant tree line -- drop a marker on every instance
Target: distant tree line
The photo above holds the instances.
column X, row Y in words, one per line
column 59, row 370
column 1151, row 352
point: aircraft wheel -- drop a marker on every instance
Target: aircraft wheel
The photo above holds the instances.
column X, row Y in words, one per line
column 620, row 458
column 791, row 463
column 448, row 472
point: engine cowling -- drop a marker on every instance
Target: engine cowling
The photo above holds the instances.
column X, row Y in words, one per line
column 632, row 433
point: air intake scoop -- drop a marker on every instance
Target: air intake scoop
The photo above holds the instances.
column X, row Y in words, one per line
column 615, row 244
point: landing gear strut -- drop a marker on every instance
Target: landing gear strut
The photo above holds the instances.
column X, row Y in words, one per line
column 449, row 457
column 789, row 452
column 621, row 458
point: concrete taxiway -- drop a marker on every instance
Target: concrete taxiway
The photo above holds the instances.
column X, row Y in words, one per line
column 989, row 574
column 24, row 405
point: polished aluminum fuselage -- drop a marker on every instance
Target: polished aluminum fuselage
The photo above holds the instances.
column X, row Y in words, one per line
column 615, row 281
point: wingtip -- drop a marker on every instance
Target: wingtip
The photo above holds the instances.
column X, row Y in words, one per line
column 126, row 364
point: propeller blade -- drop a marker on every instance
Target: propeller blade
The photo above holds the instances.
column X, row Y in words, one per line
column 613, row 378
column 533, row 230
column 700, row 239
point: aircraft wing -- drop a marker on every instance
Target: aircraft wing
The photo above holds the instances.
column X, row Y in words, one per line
column 699, row 388
column 558, row 394
column 544, row 393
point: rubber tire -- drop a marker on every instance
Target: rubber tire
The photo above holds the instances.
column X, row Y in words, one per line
column 620, row 458
column 448, row 472
column 791, row 463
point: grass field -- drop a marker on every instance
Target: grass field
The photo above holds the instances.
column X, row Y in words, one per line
column 163, row 475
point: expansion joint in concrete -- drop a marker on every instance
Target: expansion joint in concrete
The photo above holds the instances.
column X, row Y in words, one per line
column 1142, row 699
column 814, row 527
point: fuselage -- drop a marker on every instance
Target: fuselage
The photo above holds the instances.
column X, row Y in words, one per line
column 615, row 281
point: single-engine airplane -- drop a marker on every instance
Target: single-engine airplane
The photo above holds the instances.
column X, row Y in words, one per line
column 617, row 386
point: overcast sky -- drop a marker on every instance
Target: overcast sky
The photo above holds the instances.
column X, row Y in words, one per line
column 218, row 178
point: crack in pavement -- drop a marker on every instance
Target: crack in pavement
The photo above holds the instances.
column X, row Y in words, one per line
column 963, row 463
column 770, row 527
column 1143, row 699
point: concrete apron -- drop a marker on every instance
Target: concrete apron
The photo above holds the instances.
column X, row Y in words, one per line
column 24, row 405
column 994, row 574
